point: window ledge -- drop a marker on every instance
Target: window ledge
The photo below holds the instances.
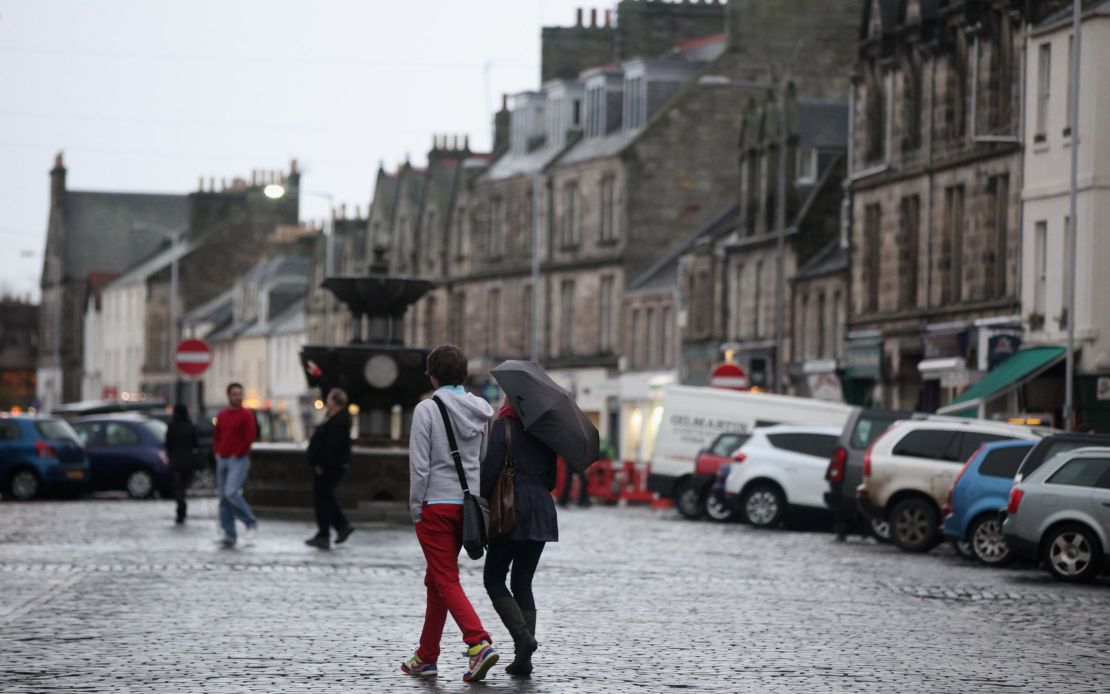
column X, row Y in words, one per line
column 1040, row 137
column 607, row 243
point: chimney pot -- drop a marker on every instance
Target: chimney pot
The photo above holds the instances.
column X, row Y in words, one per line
column 59, row 160
column 608, row 18
column 200, row 184
column 223, row 185
column 293, row 167
column 593, row 17
column 578, row 17
column 211, row 184
column 466, row 142
column 505, row 99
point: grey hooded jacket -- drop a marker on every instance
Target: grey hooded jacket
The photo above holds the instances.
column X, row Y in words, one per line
column 432, row 474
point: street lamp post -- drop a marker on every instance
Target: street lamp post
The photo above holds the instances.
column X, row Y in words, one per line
column 778, row 88
column 275, row 191
column 1072, row 240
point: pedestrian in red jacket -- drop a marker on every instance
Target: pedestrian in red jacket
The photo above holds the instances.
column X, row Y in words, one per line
column 236, row 430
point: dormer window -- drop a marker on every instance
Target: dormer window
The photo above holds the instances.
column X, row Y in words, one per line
column 635, row 103
column 595, row 112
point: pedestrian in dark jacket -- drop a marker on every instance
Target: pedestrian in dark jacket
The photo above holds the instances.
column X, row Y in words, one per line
column 181, row 446
column 329, row 455
column 536, row 525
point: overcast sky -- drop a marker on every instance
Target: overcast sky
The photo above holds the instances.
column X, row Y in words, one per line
column 147, row 96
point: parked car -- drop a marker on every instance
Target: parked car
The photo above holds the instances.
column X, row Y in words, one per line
column 777, row 468
column 1060, row 514
column 694, row 416
column 38, row 454
column 907, row 472
column 126, row 452
column 1058, row 444
column 709, row 462
column 845, row 468
column 980, row 493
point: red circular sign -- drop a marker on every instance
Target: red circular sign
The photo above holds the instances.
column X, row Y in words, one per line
column 192, row 357
column 731, row 376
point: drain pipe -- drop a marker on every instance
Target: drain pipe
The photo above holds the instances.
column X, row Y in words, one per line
column 929, row 189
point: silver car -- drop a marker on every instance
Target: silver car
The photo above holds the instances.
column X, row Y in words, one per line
column 1060, row 514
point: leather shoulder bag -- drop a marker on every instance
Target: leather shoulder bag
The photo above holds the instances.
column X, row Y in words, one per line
column 502, row 505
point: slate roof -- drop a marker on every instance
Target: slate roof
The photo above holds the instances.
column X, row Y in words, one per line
column 664, row 273
column 831, row 259
column 514, row 164
column 1101, row 7
column 823, row 124
column 100, row 228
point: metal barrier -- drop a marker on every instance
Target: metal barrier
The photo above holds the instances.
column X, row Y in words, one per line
column 610, row 482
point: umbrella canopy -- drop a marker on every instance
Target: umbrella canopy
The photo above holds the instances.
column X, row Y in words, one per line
column 548, row 412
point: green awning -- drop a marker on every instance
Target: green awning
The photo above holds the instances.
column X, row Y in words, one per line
column 1010, row 374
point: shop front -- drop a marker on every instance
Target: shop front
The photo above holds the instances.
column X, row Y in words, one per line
column 641, row 411
column 863, row 367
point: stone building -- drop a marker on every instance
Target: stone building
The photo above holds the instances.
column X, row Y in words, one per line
column 729, row 278
column 935, row 176
column 89, row 233
column 230, row 229
column 19, row 340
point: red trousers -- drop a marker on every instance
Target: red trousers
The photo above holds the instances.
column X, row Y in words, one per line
column 440, row 535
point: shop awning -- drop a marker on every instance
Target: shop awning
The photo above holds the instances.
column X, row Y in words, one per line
column 1025, row 365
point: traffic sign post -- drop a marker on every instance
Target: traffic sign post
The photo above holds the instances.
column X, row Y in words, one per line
column 730, row 376
column 192, row 357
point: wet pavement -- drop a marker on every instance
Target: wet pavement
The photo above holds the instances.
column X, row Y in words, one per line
column 110, row 596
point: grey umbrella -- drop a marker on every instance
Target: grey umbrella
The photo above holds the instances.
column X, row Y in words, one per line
column 548, row 412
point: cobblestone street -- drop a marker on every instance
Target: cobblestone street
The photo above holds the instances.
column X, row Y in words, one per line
column 110, row 596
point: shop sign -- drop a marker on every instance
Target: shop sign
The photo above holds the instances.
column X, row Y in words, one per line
column 1102, row 388
column 1000, row 348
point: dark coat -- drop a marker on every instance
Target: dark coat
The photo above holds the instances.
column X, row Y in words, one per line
column 536, row 474
column 330, row 445
column 181, row 443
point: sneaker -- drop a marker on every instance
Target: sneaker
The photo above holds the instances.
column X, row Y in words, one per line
column 249, row 534
column 418, row 668
column 318, row 542
column 482, row 657
column 227, row 541
column 342, row 535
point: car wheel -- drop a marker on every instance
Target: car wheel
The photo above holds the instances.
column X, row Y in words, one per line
column 24, row 485
column 962, row 549
column 763, row 506
column 717, row 508
column 988, row 543
column 140, row 484
column 914, row 525
column 690, row 499
column 880, row 529
column 1072, row 553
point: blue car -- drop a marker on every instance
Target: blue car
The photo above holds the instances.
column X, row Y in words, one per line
column 38, row 454
column 979, row 493
column 126, row 452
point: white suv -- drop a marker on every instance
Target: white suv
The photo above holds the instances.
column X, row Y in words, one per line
column 908, row 471
column 777, row 467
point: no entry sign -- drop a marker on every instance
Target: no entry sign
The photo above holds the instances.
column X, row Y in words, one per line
column 731, row 376
column 192, row 357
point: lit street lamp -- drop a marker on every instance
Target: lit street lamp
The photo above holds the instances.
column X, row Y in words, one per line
column 275, row 191
column 778, row 88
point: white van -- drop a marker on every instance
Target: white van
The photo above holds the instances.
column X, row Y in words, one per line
column 694, row 416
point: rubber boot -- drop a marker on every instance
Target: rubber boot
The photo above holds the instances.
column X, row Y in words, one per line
column 524, row 644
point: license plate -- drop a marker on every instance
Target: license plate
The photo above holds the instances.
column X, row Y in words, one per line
column 75, row 474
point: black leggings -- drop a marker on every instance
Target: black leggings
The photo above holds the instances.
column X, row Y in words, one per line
column 524, row 555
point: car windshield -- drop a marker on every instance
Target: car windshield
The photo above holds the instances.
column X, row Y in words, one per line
column 156, row 427
column 727, row 443
column 57, row 429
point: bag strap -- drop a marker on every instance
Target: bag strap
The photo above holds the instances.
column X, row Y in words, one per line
column 508, row 443
column 454, row 444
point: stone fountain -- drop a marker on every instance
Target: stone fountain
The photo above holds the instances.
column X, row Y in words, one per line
column 384, row 380
column 376, row 369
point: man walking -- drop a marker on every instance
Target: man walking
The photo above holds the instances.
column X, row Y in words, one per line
column 329, row 454
column 236, row 430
